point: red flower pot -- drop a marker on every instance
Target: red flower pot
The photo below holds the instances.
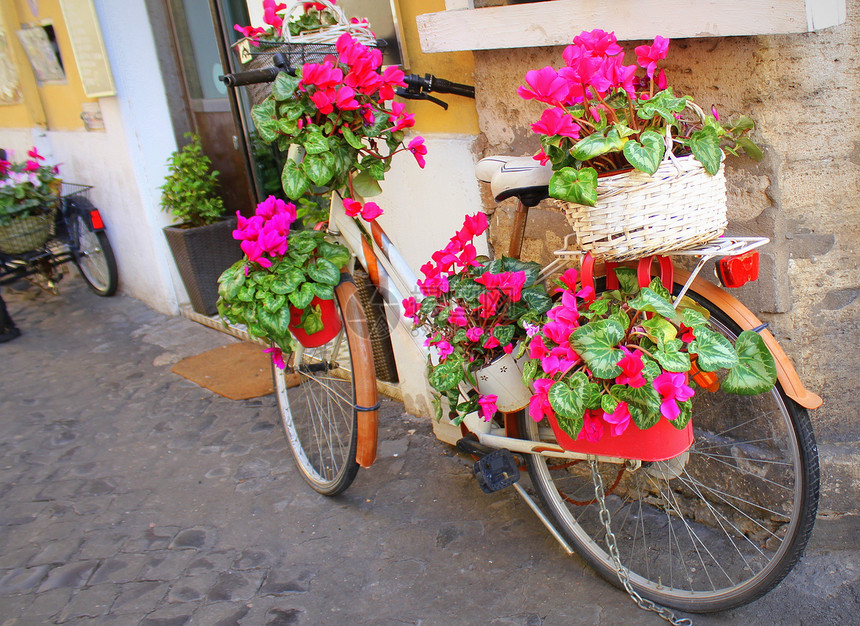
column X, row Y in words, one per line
column 658, row 443
column 330, row 319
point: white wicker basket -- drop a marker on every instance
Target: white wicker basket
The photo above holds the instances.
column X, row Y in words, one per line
column 308, row 47
column 637, row 214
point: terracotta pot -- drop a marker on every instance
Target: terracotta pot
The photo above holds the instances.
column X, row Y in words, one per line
column 330, row 319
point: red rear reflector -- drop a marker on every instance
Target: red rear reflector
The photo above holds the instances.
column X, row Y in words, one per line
column 736, row 271
column 96, row 218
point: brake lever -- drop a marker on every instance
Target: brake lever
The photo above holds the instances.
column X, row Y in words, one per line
column 417, row 95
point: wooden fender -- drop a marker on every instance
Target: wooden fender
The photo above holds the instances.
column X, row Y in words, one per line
column 745, row 318
column 366, row 397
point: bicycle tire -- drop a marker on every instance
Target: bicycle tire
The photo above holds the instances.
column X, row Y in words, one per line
column 319, row 414
column 91, row 249
column 713, row 529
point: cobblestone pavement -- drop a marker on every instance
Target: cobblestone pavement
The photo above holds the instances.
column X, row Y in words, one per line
column 132, row 496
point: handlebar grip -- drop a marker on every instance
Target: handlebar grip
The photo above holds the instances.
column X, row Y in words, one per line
column 444, row 86
column 252, row 77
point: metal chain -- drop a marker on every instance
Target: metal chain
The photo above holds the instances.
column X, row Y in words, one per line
column 620, row 570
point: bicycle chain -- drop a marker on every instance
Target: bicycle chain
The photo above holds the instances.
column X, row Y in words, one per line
column 620, row 570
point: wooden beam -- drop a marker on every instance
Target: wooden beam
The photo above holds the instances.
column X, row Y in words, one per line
column 555, row 23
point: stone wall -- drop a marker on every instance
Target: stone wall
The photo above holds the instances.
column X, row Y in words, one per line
column 803, row 92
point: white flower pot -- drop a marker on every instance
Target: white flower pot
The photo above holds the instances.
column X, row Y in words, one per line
column 503, row 378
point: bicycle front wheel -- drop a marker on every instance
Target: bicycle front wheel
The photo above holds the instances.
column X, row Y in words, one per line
column 91, row 249
column 712, row 529
column 317, row 399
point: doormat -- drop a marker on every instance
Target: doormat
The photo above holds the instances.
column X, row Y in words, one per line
column 238, row 371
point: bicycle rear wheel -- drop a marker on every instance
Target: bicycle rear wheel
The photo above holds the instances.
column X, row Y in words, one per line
column 317, row 399
column 713, row 529
column 91, row 249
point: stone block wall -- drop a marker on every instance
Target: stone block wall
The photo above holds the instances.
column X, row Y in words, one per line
column 803, row 91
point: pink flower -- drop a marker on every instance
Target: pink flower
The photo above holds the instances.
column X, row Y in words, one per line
column 31, row 166
column 277, row 356
column 345, row 99
column 554, row 122
column 491, row 342
column 673, row 388
column 410, row 308
column 539, row 406
column 418, row 150
column 662, row 83
column 592, row 427
column 619, row 419
column 351, row 207
column 250, row 31
column 474, row 333
column 599, row 43
column 322, row 75
column 445, row 349
column 631, row 367
column 546, row 86
column 324, row 100
column 458, row 317
column 647, row 56
column 541, row 157
column 489, row 303
column 34, row 153
column 400, row 117
column 537, row 348
column 686, row 334
column 488, row 406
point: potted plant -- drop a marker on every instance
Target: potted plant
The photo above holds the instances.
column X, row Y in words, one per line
column 475, row 313
column 283, row 287
column 202, row 242
column 629, row 156
column 28, row 198
column 334, row 115
column 604, row 369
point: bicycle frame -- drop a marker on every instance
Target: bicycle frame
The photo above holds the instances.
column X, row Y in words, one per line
column 389, row 272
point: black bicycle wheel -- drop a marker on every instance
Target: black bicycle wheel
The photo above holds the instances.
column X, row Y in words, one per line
column 712, row 529
column 91, row 249
column 317, row 399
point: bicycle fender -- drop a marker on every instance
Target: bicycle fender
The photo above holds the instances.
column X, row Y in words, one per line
column 747, row 320
column 366, row 396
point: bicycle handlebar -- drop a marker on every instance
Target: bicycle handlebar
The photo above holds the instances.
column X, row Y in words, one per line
column 251, row 77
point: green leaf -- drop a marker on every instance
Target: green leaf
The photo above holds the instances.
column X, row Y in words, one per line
column 596, row 144
column 468, row 290
column 593, row 396
column 291, row 279
column 428, row 305
column 264, row 119
column 285, row 86
column 365, row 185
column 537, row 300
column 294, row 181
column 324, row 271
column 664, row 104
column 647, row 155
column 275, row 323
column 530, row 371
column 705, row 145
column 302, row 297
column 660, row 330
column 335, row 253
column 568, row 402
column 323, row 292
column 643, row 402
column 597, row 343
column 447, row 375
column 627, row 280
column 650, row 301
column 504, row 334
column 312, row 319
column 608, row 403
column 756, row 369
column 316, row 143
column 693, row 318
column 750, row 148
column 571, row 185
column 683, row 419
column 671, row 359
column 351, row 139
column 319, row 167
column 231, row 281
column 714, row 351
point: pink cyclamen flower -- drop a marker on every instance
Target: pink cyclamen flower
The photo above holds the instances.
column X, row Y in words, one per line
column 599, row 43
column 445, row 350
column 351, row 207
column 458, row 317
column 673, row 388
column 34, row 153
column 631, row 369
column 647, row 56
column 345, row 99
column 474, row 333
column 418, row 150
column 488, row 406
column 250, row 31
column 277, row 356
column 618, row 420
column 539, row 406
column 546, row 86
column 411, row 308
column 556, row 121
column 31, row 166
column 592, row 426
column 370, row 211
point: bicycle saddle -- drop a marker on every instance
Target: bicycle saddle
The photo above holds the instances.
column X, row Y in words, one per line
column 515, row 176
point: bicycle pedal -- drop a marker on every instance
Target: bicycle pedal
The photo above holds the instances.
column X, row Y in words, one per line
column 496, row 471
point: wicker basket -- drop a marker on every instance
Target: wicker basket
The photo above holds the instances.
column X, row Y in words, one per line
column 637, row 214
column 24, row 234
column 307, row 47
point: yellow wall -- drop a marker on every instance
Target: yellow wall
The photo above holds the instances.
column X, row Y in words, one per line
column 461, row 116
column 55, row 107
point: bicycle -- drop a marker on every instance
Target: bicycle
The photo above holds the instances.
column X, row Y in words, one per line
column 711, row 529
column 78, row 235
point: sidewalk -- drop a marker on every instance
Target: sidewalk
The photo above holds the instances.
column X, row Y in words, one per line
column 132, row 496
